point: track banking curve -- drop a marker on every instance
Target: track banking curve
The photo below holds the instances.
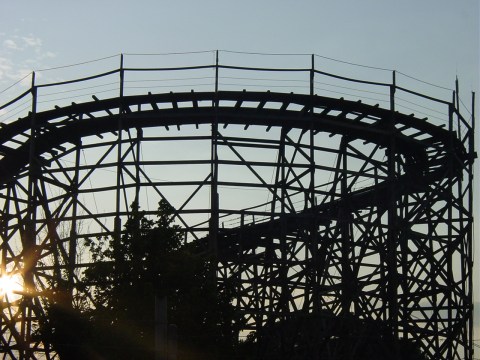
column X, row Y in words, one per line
column 353, row 119
column 369, row 209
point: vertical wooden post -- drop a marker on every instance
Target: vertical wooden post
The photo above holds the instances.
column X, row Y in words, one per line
column 458, row 107
column 29, row 236
column 393, row 89
column 344, row 224
column 312, row 76
column 122, row 77
column 312, row 152
column 214, row 169
column 216, row 72
column 311, row 291
column 72, row 251
column 392, row 235
column 471, row 143
column 450, row 203
column 118, row 221
column 137, row 164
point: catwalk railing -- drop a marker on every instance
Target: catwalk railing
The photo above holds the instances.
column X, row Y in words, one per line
column 304, row 74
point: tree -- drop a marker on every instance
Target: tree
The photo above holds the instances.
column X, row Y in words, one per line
column 148, row 262
column 64, row 328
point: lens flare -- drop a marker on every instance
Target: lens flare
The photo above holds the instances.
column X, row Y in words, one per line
column 10, row 285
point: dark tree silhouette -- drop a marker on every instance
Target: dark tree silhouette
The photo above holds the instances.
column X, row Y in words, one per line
column 150, row 261
column 147, row 263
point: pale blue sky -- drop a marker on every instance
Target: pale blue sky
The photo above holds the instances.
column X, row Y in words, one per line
column 431, row 39
column 434, row 40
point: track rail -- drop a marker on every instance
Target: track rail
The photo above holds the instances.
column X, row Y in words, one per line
column 366, row 122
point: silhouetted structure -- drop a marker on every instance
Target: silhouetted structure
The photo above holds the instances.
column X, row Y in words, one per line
column 313, row 204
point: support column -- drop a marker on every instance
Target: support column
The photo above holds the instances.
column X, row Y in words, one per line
column 72, row 251
column 137, row 165
column 314, row 281
column 450, row 235
column 392, row 232
column 282, row 262
column 29, row 233
column 345, row 234
column 470, row 260
column 214, row 171
column 118, row 221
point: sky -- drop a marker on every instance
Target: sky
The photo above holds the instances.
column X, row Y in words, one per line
column 432, row 40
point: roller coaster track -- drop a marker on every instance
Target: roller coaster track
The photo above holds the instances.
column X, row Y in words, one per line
column 72, row 123
column 396, row 250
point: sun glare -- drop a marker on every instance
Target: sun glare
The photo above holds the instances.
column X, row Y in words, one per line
column 10, row 285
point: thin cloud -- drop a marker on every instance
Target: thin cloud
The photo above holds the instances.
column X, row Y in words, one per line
column 21, row 55
column 11, row 44
column 22, row 43
column 11, row 73
column 31, row 41
column 47, row 55
column 5, row 67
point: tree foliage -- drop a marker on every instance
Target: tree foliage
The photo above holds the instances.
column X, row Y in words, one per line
column 116, row 318
column 128, row 274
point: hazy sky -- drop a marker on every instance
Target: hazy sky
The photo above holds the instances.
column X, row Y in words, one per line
column 431, row 39
column 434, row 40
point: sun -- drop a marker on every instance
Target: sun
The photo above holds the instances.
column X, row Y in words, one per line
column 10, row 285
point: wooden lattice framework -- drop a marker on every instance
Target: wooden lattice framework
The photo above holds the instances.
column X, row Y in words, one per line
column 365, row 210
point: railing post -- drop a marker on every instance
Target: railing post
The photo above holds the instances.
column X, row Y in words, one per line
column 312, row 76
column 472, row 131
column 451, row 111
column 393, row 88
column 122, row 76
column 216, row 71
column 458, row 108
column 214, row 169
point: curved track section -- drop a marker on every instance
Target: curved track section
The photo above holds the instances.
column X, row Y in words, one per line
column 312, row 205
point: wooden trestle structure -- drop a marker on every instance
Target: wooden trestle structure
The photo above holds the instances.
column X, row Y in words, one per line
column 312, row 204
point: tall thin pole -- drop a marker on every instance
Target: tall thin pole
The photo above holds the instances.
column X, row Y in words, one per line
column 312, row 152
column 313, row 285
column 472, row 135
column 458, row 107
column 118, row 225
column 344, row 222
column 29, row 237
column 470, row 232
column 393, row 89
column 470, row 250
column 392, row 236
column 73, row 231
column 137, row 164
column 312, row 76
column 214, row 169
